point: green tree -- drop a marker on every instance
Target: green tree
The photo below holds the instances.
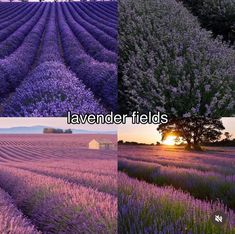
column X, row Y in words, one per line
column 193, row 130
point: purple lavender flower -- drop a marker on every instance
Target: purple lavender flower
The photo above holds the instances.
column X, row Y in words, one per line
column 164, row 49
column 65, row 34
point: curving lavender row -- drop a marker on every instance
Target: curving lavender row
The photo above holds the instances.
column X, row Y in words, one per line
column 96, row 18
column 12, row 16
column 79, row 210
column 52, row 90
column 106, row 13
column 13, row 26
column 100, row 15
column 12, row 221
column 213, row 186
column 5, row 13
column 169, row 63
column 91, row 46
column 99, row 182
column 50, row 50
column 145, row 208
column 15, row 67
column 101, row 78
column 107, row 41
column 86, row 79
column 13, row 41
column 89, row 17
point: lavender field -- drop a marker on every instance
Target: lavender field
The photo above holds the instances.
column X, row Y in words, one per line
column 164, row 189
column 177, row 57
column 56, row 57
column 54, row 184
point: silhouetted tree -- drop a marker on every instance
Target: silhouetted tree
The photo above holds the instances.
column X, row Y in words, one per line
column 227, row 136
column 193, row 130
column 120, row 142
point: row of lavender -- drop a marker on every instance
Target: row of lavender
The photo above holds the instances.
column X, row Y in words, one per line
column 32, row 186
column 80, row 209
column 73, row 66
column 169, row 63
column 145, row 208
column 199, row 185
column 211, row 185
column 12, row 221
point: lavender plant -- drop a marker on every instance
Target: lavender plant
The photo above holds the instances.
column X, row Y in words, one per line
column 145, row 208
column 32, row 34
column 16, row 14
column 13, row 41
column 12, row 221
column 90, row 17
column 79, row 210
column 102, row 183
column 92, row 46
column 202, row 185
column 52, row 90
column 107, row 41
column 101, row 78
column 7, row 30
column 14, row 67
column 169, row 63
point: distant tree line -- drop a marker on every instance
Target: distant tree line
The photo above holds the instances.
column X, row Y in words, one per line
column 121, row 142
column 56, row 130
column 227, row 141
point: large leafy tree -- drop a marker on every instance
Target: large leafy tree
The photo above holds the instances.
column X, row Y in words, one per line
column 193, row 130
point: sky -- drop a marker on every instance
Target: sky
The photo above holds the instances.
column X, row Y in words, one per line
column 144, row 133
column 52, row 122
column 147, row 133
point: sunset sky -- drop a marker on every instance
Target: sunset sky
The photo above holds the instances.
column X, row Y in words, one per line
column 147, row 133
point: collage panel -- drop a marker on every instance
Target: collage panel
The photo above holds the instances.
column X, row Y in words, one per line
column 148, row 144
column 174, row 59
column 163, row 187
column 56, row 57
column 57, row 179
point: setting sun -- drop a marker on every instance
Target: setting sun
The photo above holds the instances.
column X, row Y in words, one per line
column 170, row 140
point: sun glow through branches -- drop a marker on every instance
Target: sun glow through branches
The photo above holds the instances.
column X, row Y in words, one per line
column 170, row 140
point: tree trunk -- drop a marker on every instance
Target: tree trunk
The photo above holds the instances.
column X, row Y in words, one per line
column 188, row 146
column 193, row 146
column 197, row 147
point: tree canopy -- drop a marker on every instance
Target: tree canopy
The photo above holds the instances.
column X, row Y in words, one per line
column 193, row 130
